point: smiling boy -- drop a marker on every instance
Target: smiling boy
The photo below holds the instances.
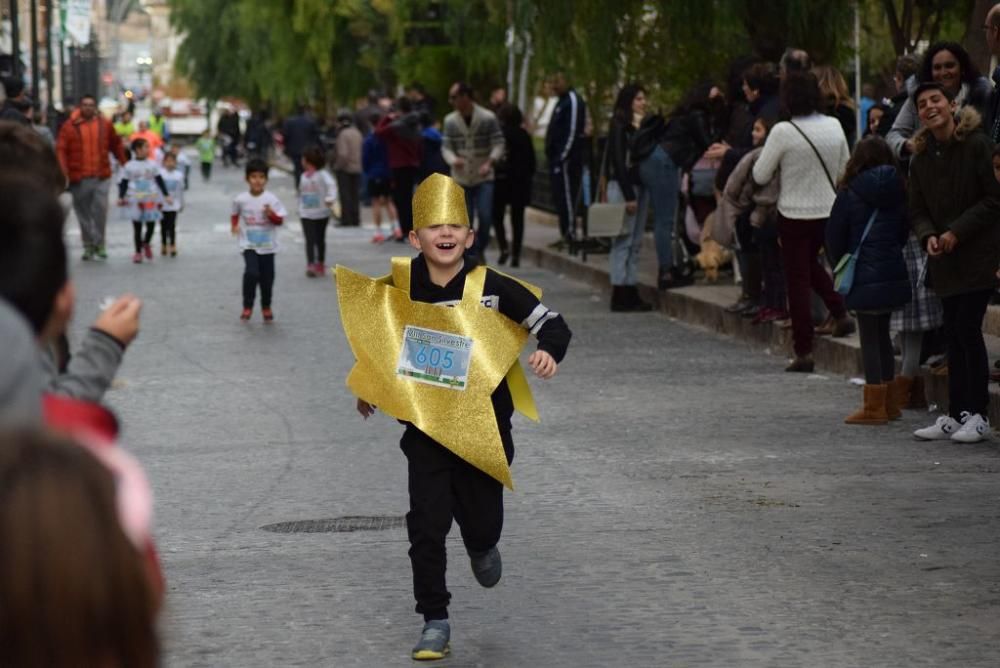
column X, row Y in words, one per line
column 442, row 485
column 954, row 203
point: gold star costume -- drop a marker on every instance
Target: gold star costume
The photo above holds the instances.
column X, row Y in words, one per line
column 376, row 314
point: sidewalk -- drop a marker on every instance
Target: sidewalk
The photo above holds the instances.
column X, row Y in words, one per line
column 704, row 303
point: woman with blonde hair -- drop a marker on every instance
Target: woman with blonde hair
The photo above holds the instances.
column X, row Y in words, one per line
column 837, row 101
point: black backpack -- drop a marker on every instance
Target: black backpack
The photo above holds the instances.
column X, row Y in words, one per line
column 645, row 140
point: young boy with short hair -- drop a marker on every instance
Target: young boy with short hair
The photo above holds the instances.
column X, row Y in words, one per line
column 255, row 219
column 174, row 179
column 34, row 278
column 444, row 485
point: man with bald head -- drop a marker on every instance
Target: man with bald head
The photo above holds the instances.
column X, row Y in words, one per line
column 991, row 26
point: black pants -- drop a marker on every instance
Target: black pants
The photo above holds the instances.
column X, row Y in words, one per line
column 876, row 347
column 314, row 230
column 231, row 153
column 504, row 195
column 443, row 486
column 565, row 177
column 168, row 228
column 349, row 190
column 968, row 364
column 775, row 292
column 140, row 238
column 404, row 179
column 206, row 170
column 258, row 269
column 297, row 168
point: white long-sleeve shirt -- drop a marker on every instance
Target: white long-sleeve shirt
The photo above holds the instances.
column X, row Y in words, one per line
column 806, row 193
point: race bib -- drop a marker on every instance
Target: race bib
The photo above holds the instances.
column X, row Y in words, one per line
column 310, row 201
column 143, row 188
column 436, row 358
column 258, row 238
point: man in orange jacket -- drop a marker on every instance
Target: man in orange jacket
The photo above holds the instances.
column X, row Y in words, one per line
column 84, row 144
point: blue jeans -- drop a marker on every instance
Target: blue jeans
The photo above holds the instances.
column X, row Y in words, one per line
column 479, row 199
column 624, row 256
column 661, row 179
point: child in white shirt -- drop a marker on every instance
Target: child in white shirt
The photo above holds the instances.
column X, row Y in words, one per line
column 173, row 179
column 255, row 219
column 143, row 192
column 317, row 191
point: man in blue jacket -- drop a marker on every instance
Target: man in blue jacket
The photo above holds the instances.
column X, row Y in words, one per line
column 563, row 148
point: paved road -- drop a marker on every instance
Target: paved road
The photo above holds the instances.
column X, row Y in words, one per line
column 683, row 502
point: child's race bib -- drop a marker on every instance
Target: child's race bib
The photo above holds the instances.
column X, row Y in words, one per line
column 310, row 201
column 436, row 358
column 260, row 238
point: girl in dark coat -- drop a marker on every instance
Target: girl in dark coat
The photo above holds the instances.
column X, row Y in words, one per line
column 872, row 190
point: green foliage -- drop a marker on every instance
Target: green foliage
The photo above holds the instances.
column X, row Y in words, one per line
column 332, row 51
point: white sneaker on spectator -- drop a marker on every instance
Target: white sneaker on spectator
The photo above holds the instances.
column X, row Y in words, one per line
column 975, row 428
column 941, row 430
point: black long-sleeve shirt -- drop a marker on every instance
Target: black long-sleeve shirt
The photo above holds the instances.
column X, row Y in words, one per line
column 123, row 187
column 510, row 298
column 566, row 127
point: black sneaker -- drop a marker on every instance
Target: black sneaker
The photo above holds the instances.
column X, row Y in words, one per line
column 486, row 566
column 433, row 643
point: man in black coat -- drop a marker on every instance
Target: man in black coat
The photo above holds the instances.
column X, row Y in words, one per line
column 300, row 131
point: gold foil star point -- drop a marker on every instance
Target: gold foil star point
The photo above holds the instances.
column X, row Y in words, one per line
column 376, row 315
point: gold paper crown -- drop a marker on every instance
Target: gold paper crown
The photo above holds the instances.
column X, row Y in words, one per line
column 439, row 201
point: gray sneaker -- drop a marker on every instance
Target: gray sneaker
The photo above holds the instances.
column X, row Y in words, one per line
column 486, row 566
column 433, row 642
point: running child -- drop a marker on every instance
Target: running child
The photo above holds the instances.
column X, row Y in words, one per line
column 317, row 192
column 143, row 192
column 256, row 216
column 174, row 179
column 183, row 162
column 206, row 154
column 444, row 486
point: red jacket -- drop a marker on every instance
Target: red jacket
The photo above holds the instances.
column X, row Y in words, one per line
column 402, row 138
column 82, row 155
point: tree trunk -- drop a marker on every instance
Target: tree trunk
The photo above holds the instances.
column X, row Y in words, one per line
column 975, row 38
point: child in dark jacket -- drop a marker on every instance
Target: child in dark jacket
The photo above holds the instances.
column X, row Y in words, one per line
column 869, row 220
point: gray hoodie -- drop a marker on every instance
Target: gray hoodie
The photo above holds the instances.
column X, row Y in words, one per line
column 21, row 378
column 91, row 368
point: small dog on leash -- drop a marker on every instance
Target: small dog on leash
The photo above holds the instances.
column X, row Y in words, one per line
column 711, row 258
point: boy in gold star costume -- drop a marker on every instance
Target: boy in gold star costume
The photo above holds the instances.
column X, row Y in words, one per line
column 451, row 384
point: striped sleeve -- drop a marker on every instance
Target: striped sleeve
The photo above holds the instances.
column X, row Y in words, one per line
column 520, row 305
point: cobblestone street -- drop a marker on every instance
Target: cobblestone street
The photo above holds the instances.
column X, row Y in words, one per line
column 682, row 503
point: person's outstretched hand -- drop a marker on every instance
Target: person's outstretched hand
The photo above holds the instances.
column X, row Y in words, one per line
column 121, row 319
column 543, row 364
column 365, row 408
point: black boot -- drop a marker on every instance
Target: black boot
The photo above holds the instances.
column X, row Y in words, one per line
column 638, row 304
column 619, row 301
column 672, row 277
